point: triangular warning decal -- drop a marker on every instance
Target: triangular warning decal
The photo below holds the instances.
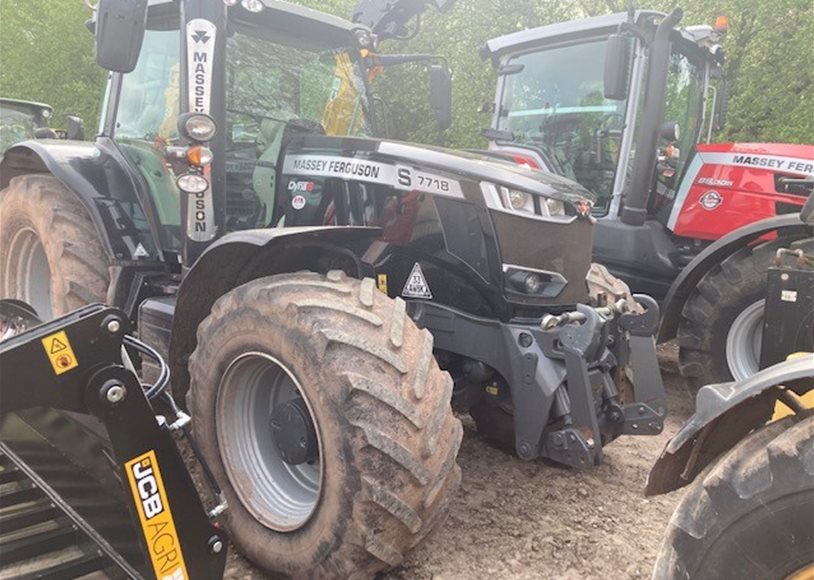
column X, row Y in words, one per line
column 140, row 252
column 416, row 286
column 57, row 345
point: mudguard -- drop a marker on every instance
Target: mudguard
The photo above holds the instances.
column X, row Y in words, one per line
column 241, row 257
column 724, row 414
column 714, row 254
column 99, row 176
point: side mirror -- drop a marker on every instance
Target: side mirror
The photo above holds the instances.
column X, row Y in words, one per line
column 670, row 131
column 74, row 128
column 618, row 52
column 441, row 95
column 120, row 26
column 723, row 105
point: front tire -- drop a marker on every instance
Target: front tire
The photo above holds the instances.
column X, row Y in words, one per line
column 51, row 255
column 752, row 515
column 387, row 440
column 721, row 326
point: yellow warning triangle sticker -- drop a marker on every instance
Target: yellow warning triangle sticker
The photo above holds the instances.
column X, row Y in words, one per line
column 57, row 345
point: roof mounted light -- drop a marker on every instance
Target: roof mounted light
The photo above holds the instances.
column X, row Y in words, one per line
column 252, row 5
column 230, row 3
column 198, row 127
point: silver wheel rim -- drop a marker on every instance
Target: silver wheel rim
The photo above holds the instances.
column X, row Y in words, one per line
column 280, row 496
column 29, row 275
column 743, row 342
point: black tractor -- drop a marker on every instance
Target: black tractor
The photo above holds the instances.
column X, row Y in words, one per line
column 306, row 287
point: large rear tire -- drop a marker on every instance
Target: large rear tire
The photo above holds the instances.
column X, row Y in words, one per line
column 752, row 515
column 721, row 328
column 50, row 252
column 383, row 464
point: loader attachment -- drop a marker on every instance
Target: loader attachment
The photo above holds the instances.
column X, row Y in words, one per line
column 90, row 476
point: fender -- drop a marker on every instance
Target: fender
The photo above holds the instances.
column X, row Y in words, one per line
column 100, row 177
column 724, row 414
column 241, row 257
column 713, row 255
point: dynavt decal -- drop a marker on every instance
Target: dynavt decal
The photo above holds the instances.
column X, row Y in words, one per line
column 397, row 176
column 200, row 53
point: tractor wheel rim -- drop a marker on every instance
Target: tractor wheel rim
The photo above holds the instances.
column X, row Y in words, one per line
column 29, row 274
column 743, row 342
column 280, row 496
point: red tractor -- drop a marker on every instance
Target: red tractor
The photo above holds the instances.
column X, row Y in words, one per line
column 621, row 104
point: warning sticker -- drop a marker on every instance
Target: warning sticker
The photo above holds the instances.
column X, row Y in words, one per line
column 381, row 283
column 155, row 516
column 59, row 352
column 416, row 286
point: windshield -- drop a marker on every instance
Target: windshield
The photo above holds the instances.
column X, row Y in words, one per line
column 267, row 80
column 274, row 90
column 556, row 104
column 683, row 102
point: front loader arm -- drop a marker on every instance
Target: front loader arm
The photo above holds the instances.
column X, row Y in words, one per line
column 74, row 363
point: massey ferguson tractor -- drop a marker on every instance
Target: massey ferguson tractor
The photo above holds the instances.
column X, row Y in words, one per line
column 303, row 288
column 620, row 103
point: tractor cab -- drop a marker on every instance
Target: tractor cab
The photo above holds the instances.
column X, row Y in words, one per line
column 551, row 104
column 21, row 120
column 283, row 69
column 623, row 104
column 553, row 109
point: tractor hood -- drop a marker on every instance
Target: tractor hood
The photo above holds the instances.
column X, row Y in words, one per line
column 468, row 214
column 382, row 161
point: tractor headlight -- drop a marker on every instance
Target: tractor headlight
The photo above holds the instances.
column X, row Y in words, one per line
column 197, row 126
column 192, row 183
column 252, row 5
column 517, row 200
column 553, row 207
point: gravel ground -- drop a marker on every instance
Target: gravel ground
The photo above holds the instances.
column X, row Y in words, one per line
column 515, row 519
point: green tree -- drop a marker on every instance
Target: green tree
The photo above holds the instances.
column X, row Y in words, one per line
column 46, row 54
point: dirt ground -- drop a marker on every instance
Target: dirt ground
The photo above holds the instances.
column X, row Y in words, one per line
column 514, row 519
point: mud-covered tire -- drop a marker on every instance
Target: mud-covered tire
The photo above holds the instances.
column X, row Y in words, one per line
column 727, row 291
column 751, row 515
column 46, row 232
column 380, row 405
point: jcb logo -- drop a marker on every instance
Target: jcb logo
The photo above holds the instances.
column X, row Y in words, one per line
column 147, row 489
column 155, row 516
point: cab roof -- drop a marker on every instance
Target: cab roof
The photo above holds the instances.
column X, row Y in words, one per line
column 559, row 32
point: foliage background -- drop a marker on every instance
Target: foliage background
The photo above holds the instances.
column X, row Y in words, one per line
column 46, row 54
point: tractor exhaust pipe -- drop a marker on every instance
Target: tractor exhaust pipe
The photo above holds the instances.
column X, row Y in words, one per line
column 635, row 209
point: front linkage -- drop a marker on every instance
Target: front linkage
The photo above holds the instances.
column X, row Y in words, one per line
column 597, row 345
column 561, row 378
